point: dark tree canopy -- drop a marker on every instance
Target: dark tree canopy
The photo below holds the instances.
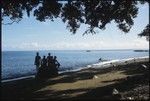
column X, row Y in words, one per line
column 145, row 32
column 95, row 13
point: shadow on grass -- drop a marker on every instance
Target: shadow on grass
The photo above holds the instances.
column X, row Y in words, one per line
column 104, row 92
column 28, row 89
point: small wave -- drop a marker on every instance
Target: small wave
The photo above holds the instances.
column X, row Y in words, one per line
column 119, row 62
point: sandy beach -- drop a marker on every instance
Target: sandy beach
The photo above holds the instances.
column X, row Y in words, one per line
column 125, row 79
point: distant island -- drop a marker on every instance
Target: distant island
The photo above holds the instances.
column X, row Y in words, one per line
column 88, row 50
column 141, row 50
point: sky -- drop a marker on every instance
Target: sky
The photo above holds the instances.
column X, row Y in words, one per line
column 30, row 34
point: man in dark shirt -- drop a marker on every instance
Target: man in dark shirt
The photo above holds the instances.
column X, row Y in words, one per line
column 37, row 61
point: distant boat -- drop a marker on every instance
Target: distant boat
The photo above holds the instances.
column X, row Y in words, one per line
column 88, row 51
column 141, row 50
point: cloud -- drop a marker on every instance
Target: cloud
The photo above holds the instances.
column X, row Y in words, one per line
column 138, row 43
column 77, row 45
column 25, row 46
column 30, row 44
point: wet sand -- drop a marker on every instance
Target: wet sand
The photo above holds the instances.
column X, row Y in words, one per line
column 131, row 80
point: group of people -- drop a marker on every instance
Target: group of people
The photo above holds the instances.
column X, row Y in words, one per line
column 46, row 62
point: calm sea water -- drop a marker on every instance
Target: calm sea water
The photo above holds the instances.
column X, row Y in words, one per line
column 21, row 63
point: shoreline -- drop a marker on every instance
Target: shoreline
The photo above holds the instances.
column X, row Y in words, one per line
column 89, row 83
column 100, row 65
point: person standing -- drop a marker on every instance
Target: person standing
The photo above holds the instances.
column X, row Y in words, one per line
column 49, row 60
column 44, row 62
column 37, row 61
column 56, row 63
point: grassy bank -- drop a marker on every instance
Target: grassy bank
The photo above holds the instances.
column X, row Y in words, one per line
column 130, row 80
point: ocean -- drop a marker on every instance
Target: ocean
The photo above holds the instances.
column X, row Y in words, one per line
column 17, row 64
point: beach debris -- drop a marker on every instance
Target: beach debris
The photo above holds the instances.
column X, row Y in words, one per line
column 63, row 94
column 145, row 67
column 116, row 94
column 95, row 77
column 130, row 98
column 115, row 91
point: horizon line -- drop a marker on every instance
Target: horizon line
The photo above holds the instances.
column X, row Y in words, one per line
column 75, row 50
